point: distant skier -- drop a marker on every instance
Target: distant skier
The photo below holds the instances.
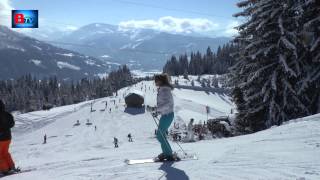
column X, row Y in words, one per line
column 95, row 128
column 7, row 165
column 106, row 104
column 130, row 137
column 115, row 142
column 190, row 136
column 77, row 123
column 165, row 108
column 45, row 139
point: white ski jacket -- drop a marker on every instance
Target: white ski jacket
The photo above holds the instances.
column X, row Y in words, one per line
column 164, row 100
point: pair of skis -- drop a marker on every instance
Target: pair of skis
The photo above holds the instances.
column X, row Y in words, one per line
column 184, row 157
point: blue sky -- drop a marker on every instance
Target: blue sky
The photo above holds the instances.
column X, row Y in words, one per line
column 215, row 15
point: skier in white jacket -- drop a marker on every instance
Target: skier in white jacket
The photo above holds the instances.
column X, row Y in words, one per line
column 165, row 108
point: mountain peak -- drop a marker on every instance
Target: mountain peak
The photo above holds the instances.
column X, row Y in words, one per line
column 22, row 55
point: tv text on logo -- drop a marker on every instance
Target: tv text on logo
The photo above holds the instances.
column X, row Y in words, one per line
column 21, row 19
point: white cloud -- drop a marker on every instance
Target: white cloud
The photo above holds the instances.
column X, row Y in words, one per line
column 5, row 12
column 230, row 28
column 172, row 24
column 70, row 28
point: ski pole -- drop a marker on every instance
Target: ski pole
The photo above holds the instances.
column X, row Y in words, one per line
column 179, row 146
column 154, row 118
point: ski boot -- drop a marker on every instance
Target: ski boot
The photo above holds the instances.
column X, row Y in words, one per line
column 11, row 171
column 173, row 157
column 160, row 158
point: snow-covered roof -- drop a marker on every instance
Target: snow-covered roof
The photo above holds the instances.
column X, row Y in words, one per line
column 226, row 125
column 140, row 93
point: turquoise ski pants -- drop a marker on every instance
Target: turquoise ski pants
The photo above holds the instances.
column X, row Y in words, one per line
column 164, row 124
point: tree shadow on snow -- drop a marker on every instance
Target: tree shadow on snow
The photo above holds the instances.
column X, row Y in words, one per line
column 172, row 173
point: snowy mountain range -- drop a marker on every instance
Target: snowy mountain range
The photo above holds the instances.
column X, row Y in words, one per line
column 144, row 49
column 22, row 55
column 290, row 151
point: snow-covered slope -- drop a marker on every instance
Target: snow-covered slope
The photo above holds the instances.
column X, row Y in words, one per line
column 290, row 151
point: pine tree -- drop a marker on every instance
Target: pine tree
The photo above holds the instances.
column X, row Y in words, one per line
column 208, row 63
column 29, row 94
column 238, row 99
column 272, row 63
column 308, row 15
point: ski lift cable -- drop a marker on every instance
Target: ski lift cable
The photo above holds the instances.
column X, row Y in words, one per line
column 172, row 9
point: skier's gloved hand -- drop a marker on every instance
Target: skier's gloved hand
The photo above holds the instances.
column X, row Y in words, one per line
column 155, row 114
column 152, row 108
